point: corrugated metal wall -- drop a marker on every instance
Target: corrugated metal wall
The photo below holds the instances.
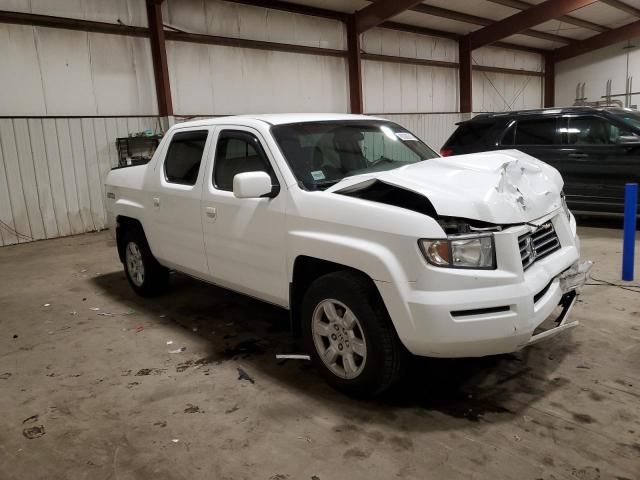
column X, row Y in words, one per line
column 52, row 173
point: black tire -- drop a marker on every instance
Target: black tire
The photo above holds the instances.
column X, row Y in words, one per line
column 386, row 357
column 155, row 276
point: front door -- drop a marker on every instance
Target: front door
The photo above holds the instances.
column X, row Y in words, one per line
column 599, row 164
column 244, row 237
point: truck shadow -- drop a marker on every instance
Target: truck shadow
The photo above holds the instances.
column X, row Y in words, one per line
column 435, row 393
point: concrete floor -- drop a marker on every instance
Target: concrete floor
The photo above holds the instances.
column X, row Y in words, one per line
column 100, row 396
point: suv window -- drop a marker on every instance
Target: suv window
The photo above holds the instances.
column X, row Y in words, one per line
column 471, row 133
column 536, row 132
column 238, row 152
column 184, row 156
column 593, row 131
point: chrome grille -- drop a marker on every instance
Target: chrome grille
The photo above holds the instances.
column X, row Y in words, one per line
column 543, row 241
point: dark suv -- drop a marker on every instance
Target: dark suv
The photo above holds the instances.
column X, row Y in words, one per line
column 597, row 150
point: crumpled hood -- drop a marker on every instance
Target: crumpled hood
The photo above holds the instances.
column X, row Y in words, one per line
column 502, row 187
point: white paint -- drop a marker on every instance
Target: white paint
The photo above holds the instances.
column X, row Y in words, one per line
column 52, row 173
column 217, row 80
column 66, row 72
column 129, row 12
column 595, row 68
column 252, row 244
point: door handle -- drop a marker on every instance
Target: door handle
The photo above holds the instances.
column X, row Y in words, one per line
column 578, row 155
column 156, row 202
column 210, row 212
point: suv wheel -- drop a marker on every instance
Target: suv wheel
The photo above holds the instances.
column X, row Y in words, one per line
column 146, row 276
column 350, row 335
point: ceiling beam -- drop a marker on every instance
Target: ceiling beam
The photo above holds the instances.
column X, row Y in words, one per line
column 482, row 21
column 295, row 8
column 578, row 22
column 521, row 21
column 622, row 6
column 611, row 37
column 380, row 11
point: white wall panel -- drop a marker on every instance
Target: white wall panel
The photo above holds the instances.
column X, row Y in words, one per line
column 64, row 72
column 498, row 92
column 400, row 88
column 506, row 58
column 216, row 17
column 383, row 41
column 214, row 80
column 130, row 12
column 594, row 69
column 52, row 172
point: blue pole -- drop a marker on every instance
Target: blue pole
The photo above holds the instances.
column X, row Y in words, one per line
column 629, row 239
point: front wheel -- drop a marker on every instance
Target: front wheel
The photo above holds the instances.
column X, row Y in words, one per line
column 350, row 335
column 145, row 275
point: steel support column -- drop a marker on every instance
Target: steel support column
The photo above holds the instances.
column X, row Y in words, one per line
column 464, row 57
column 159, row 56
column 355, row 67
column 549, row 81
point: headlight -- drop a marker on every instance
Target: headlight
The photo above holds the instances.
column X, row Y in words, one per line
column 465, row 251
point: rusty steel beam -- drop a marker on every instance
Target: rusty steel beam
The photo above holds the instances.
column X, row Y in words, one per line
column 578, row 22
column 521, row 21
column 623, row 7
column 380, row 11
column 159, row 57
column 18, row 18
column 587, row 45
column 252, row 44
column 355, row 67
column 476, row 20
column 549, row 82
column 296, row 8
column 464, row 73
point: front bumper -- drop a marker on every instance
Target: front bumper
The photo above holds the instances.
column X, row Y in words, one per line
column 478, row 313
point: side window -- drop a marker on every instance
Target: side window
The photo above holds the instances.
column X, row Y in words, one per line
column 238, row 152
column 593, row 131
column 589, row 131
column 536, row 132
column 182, row 163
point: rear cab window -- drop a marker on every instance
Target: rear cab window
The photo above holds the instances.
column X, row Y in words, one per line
column 184, row 156
column 472, row 133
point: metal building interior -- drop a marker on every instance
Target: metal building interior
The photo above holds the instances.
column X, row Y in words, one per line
column 98, row 382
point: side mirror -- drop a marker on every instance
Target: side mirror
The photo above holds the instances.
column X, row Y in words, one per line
column 252, row 185
column 628, row 140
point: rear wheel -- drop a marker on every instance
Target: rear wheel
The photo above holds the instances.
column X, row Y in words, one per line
column 350, row 335
column 146, row 276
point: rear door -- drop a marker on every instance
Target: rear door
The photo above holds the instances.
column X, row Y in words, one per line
column 176, row 224
column 539, row 137
column 600, row 166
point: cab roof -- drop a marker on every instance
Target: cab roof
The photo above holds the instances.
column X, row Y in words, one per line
column 277, row 118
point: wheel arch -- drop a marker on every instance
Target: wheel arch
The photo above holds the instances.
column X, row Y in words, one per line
column 306, row 269
column 125, row 224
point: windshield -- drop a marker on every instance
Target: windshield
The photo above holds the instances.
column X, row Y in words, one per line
column 321, row 154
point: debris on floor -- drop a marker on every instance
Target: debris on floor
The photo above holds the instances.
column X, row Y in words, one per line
column 178, row 350
column 175, row 440
column 169, row 342
column 192, row 409
column 139, row 328
column 33, row 432
column 149, row 371
column 47, row 305
column 280, row 356
column 106, row 314
column 242, row 375
column 95, row 309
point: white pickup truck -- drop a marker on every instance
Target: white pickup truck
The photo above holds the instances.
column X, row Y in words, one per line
column 378, row 247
